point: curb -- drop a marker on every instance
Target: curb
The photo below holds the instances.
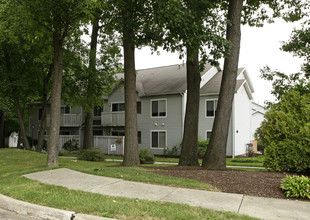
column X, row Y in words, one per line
column 43, row 212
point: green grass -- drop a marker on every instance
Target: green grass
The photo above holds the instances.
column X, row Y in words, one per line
column 14, row 163
column 247, row 162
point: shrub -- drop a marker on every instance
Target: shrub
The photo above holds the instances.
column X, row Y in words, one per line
column 285, row 133
column 146, row 157
column 93, row 154
column 44, row 146
column 202, row 147
column 296, row 186
column 71, row 145
column 175, row 151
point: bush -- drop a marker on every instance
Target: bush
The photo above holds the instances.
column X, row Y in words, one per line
column 296, row 186
column 93, row 154
column 202, row 147
column 175, row 151
column 285, row 133
column 71, row 145
column 146, row 157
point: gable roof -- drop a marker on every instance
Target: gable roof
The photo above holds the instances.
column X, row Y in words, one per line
column 172, row 80
column 162, row 80
column 214, row 84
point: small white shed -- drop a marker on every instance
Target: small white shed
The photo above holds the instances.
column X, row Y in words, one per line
column 13, row 139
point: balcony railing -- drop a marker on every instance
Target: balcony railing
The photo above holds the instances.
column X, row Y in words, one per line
column 102, row 142
column 64, row 138
column 113, row 118
column 67, row 120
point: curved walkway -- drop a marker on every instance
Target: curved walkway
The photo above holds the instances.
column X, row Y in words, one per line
column 264, row 208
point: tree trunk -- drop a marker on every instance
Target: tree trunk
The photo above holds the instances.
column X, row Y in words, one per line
column 215, row 156
column 53, row 141
column 88, row 131
column 44, row 109
column 2, row 136
column 189, row 152
column 131, row 153
column 19, row 140
column 22, row 125
column 42, row 129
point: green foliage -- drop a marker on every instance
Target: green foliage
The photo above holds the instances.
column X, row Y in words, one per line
column 282, row 83
column 71, row 145
column 174, row 151
column 146, row 157
column 296, row 186
column 93, row 154
column 202, row 147
column 286, row 134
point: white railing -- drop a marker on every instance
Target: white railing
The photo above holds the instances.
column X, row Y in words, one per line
column 64, row 138
column 113, row 118
column 67, row 120
column 104, row 144
column 101, row 142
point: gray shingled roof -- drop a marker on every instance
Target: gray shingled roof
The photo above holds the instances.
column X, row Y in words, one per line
column 172, row 80
column 214, row 84
column 162, row 80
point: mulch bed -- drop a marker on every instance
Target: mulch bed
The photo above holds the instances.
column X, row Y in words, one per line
column 262, row 184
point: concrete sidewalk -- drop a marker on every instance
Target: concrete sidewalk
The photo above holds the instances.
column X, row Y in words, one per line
column 264, row 208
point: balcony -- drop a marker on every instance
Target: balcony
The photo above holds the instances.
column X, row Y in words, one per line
column 65, row 138
column 113, row 118
column 67, row 120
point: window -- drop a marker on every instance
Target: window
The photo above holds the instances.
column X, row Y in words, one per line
column 208, row 134
column 159, row 108
column 139, row 137
column 97, row 132
column 64, row 132
column 118, row 107
column 96, row 122
column 158, row 139
column 97, row 111
column 118, row 133
column 139, row 108
column 65, row 110
column 211, row 106
column 40, row 113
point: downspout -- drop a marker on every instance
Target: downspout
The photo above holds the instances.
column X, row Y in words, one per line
column 182, row 113
column 233, row 128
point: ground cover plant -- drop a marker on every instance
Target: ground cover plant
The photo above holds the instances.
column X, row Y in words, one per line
column 15, row 163
column 296, row 186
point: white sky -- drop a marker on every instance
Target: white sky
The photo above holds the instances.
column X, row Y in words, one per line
column 259, row 47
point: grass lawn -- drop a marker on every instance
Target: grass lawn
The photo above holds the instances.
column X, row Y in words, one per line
column 14, row 163
column 247, row 162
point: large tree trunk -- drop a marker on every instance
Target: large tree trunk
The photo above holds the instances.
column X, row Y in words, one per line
column 215, row 156
column 22, row 125
column 2, row 129
column 189, row 152
column 88, row 131
column 53, row 141
column 131, row 153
